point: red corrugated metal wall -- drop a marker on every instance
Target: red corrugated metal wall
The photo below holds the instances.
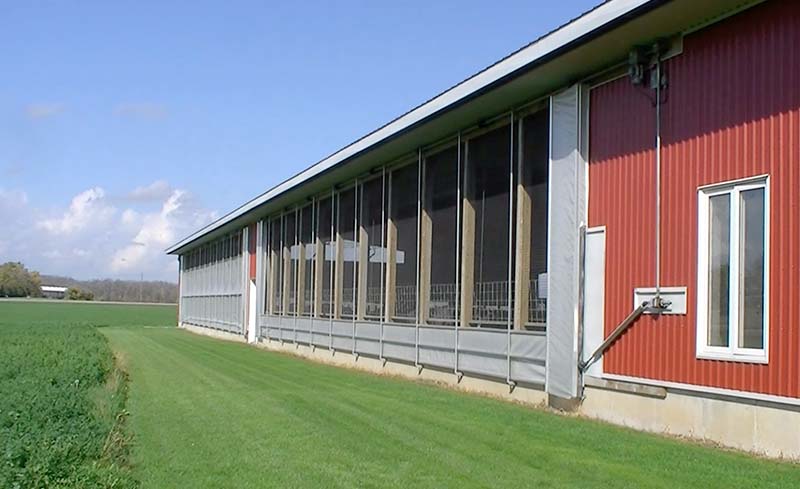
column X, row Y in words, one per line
column 251, row 250
column 733, row 111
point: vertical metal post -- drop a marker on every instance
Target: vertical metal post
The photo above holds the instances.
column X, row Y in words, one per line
column 269, row 283
column 356, row 242
column 420, row 189
column 295, row 270
column 313, row 271
column 259, row 274
column 658, row 178
column 334, row 207
column 457, row 321
column 211, row 284
column 384, row 258
column 282, row 281
column 509, row 310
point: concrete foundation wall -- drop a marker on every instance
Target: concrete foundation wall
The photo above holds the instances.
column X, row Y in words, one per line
column 214, row 333
column 761, row 428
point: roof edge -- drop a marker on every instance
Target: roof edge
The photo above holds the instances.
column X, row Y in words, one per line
column 556, row 40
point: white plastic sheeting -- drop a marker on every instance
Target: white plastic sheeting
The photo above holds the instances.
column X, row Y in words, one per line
column 212, row 285
column 481, row 352
column 567, row 208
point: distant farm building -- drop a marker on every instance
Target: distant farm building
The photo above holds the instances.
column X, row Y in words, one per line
column 54, row 292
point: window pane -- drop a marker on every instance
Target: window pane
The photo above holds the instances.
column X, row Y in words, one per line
column 488, row 166
column 290, row 263
column 265, row 260
column 371, row 220
column 535, row 161
column 719, row 269
column 403, row 213
column 441, row 201
column 277, row 265
column 306, row 260
column 325, row 236
column 751, row 266
column 347, row 227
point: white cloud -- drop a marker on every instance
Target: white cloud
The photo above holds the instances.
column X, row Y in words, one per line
column 12, row 198
column 158, row 190
column 158, row 230
column 93, row 239
column 141, row 110
column 130, row 217
column 87, row 208
column 43, row 110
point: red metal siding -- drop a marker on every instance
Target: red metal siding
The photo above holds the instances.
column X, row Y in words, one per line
column 733, row 111
column 251, row 250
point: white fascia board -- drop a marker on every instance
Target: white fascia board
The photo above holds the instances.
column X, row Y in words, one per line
column 548, row 44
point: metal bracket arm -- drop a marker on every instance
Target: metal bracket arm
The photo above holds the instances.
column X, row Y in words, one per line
column 621, row 328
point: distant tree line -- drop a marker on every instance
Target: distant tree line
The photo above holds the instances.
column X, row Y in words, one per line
column 17, row 281
column 76, row 294
column 119, row 290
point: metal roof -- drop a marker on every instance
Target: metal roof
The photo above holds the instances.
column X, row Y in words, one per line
column 554, row 45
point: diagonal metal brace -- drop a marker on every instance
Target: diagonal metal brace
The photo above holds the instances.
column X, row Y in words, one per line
column 621, row 328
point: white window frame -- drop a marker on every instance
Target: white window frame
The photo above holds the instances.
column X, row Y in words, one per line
column 732, row 352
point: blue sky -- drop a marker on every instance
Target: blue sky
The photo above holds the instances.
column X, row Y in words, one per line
column 126, row 125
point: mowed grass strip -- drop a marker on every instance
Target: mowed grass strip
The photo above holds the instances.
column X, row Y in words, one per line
column 209, row 413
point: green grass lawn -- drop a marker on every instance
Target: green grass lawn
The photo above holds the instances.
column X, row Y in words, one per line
column 211, row 414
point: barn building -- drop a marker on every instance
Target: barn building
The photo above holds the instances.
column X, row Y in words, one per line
column 606, row 221
column 54, row 292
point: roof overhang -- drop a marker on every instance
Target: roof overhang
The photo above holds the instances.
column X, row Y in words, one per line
column 595, row 41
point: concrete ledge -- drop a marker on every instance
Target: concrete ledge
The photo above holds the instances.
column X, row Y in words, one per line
column 495, row 388
column 764, row 430
column 629, row 387
column 213, row 333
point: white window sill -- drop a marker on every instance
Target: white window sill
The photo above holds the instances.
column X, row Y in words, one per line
column 734, row 357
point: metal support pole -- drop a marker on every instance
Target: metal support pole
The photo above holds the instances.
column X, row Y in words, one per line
column 384, row 257
column 509, row 310
column 295, row 270
column 334, row 199
column 244, row 278
column 457, row 321
column 313, row 271
column 282, row 282
column 356, row 243
column 657, row 299
column 420, row 189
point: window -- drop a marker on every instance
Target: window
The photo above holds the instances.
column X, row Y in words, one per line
column 290, row 263
column 326, row 245
column 306, row 252
column 371, row 250
column 276, row 265
column 486, row 230
column 265, row 239
column 532, row 199
column 402, row 243
column 438, row 240
column 347, row 225
column 732, row 302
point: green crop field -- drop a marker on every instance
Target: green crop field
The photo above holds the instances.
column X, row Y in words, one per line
column 211, row 414
column 61, row 398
